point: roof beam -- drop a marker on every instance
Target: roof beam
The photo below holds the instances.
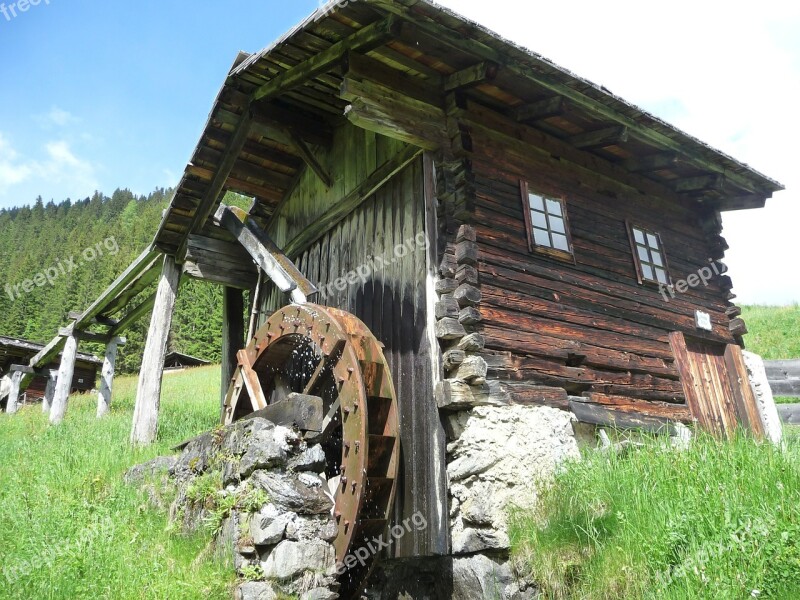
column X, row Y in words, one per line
column 275, row 264
column 410, row 32
column 599, row 138
column 365, row 39
column 652, row 162
column 471, row 76
column 702, row 183
column 542, row 109
column 133, row 316
column 215, row 189
column 308, row 156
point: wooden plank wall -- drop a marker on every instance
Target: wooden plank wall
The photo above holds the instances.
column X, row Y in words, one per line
column 588, row 327
column 392, row 303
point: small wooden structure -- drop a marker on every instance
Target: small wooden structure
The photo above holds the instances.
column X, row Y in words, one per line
column 14, row 351
column 510, row 232
column 175, row 361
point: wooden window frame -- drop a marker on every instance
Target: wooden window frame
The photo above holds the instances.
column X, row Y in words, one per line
column 637, row 261
column 533, row 247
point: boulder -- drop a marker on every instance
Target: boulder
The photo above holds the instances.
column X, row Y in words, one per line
column 291, row 494
column 290, row 559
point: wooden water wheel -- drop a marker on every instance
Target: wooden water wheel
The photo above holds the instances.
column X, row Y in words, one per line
column 311, row 359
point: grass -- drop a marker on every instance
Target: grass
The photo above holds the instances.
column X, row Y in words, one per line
column 70, row 528
column 717, row 521
column 774, row 331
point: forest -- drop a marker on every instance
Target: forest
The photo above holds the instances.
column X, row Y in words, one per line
column 58, row 257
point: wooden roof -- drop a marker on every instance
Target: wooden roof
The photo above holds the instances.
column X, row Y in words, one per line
column 16, row 351
column 277, row 105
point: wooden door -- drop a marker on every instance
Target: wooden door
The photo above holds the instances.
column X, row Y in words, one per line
column 716, row 385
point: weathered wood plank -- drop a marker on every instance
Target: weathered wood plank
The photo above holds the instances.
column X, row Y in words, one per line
column 107, row 376
column 66, row 370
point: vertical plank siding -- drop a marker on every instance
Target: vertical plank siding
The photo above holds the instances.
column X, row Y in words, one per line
column 391, row 300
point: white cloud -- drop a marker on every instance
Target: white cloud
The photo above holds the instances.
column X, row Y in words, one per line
column 56, row 117
column 59, row 172
column 725, row 72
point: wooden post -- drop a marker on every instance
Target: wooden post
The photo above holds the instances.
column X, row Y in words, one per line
column 12, row 404
column 148, row 394
column 232, row 337
column 107, row 376
column 64, row 384
column 50, row 390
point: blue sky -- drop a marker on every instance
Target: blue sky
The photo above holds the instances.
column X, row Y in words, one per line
column 100, row 95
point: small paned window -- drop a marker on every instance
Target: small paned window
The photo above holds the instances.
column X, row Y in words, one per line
column 649, row 256
column 546, row 223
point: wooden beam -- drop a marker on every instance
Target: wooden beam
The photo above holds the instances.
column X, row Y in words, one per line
column 100, row 338
column 98, row 320
column 365, row 39
column 133, row 316
column 607, row 416
column 303, row 412
column 107, row 376
column 12, row 403
column 607, row 136
column 267, row 118
column 66, row 370
column 251, row 381
column 221, row 175
column 148, row 394
column 272, row 261
column 699, row 184
column 542, row 109
column 232, row 338
column 471, row 76
column 308, row 157
column 651, row 162
column 353, row 200
column 50, row 390
column 220, row 275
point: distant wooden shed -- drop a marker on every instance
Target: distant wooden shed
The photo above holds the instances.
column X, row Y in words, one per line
column 176, row 361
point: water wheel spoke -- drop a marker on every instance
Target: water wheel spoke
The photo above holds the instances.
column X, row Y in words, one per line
column 328, row 362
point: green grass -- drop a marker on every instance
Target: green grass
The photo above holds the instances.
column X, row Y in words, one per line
column 67, row 515
column 774, row 331
column 715, row 522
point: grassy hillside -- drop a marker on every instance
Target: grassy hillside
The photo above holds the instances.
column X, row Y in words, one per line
column 70, row 528
column 716, row 522
column 774, row 331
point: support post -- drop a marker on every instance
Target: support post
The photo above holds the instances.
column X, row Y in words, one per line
column 148, row 394
column 64, row 384
column 12, row 404
column 232, row 338
column 107, row 376
column 50, row 390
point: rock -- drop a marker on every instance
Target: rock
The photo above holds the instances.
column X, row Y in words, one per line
column 479, row 577
column 310, row 528
column 290, row 559
column 256, row 590
column 765, row 403
column 313, row 459
column 471, row 540
column 319, row 594
column 268, row 526
column 471, row 464
column 291, row 494
column 158, row 466
column 196, row 457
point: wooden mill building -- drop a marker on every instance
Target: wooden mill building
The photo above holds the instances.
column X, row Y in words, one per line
column 512, row 233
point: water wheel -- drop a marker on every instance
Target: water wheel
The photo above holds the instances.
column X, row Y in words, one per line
column 307, row 356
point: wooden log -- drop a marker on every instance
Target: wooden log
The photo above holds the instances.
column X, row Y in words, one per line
column 474, row 342
column 148, row 394
column 596, row 414
column 469, row 316
column 12, row 403
column 738, row 326
column 466, row 233
column 50, row 390
column 447, row 307
column 446, row 286
column 232, row 338
column 467, row 253
column 449, row 266
column 64, row 384
column 449, row 329
column 473, row 368
column 467, row 295
column 452, row 358
column 455, row 395
column 471, row 76
column 467, row 274
column 301, row 411
column 107, row 376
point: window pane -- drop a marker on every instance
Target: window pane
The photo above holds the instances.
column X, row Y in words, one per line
column 638, row 235
column 557, row 225
column 652, row 241
column 536, row 202
column 647, row 272
column 661, row 275
column 560, row 242
column 541, row 237
column 553, row 207
column 657, row 260
column 538, row 219
column 643, row 254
